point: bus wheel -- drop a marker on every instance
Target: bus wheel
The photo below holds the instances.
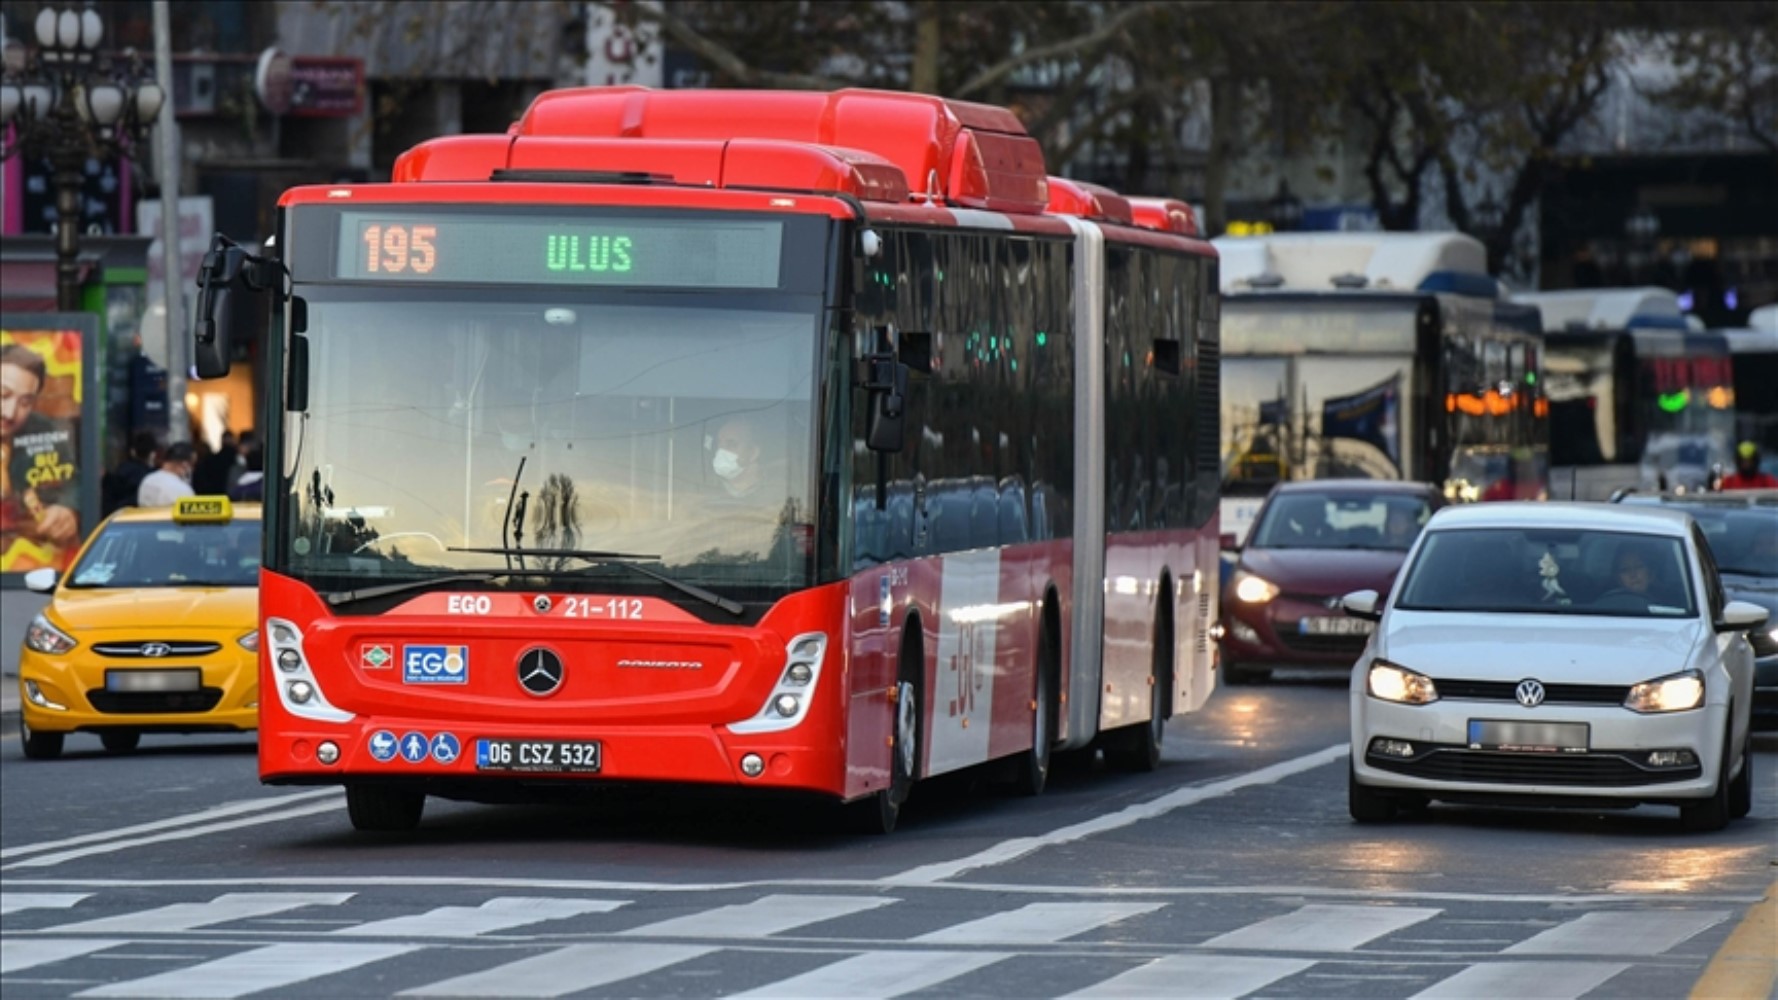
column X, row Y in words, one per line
column 384, row 809
column 39, row 746
column 120, row 741
column 1138, row 748
column 1034, row 764
column 879, row 813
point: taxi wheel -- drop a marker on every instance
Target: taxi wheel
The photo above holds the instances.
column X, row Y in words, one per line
column 383, row 809
column 39, row 746
column 120, row 742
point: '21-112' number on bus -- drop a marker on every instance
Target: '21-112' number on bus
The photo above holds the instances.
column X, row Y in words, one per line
column 616, row 607
column 400, row 249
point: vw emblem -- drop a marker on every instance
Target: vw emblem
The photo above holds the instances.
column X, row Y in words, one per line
column 156, row 649
column 541, row 603
column 1332, row 602
column 1529, row 693
column 540, row 671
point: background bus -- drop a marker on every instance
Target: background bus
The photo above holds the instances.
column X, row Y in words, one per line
column 507, row 544
column 1638, row 400
column 1375, row 355
column 1754, row 351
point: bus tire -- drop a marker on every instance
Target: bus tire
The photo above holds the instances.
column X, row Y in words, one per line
column 1034, row 764
column 120, row 741
column 384, row 808
column 879, row 813
column 39, row 746
column 1138, row 748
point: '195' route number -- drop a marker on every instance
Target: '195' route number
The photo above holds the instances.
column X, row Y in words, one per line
column 628, row 608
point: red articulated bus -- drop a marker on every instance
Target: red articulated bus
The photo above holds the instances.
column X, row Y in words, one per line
column 802, row 441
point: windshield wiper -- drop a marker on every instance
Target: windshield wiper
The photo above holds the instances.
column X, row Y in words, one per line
column 339, row 597
column 624, row 559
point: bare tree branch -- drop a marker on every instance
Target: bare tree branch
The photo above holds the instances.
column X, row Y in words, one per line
column 718, row 55
column 1091, row 42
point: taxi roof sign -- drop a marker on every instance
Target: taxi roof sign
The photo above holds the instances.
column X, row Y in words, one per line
column 198, row 510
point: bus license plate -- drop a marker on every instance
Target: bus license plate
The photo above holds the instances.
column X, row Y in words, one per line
column 1528, row 737
column 1336, row 626
column 538, row 756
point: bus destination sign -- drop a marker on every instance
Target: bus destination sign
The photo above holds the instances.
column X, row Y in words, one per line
column 528, row 250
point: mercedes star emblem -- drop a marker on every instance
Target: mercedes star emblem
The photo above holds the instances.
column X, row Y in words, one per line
column 156, row 649
column 541, row 603
column 540, row 671
column 1530, row 693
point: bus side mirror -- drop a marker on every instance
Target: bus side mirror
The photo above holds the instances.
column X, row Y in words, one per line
column 887, row 383
column 234, row 305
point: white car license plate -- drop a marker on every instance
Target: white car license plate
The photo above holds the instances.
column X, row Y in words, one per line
column 538, row 756
column 1336, row 626
column 1528, row 737
column 136, row 681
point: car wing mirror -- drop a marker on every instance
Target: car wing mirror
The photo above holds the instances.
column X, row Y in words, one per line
column 41, row 580
column 1363, row 604
column 1737, row 616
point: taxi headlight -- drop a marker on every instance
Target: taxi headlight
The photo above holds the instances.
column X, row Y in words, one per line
column 250, row 641
column 1390, row 682
column 1674, row 693
column 1253, row 589
column 43, row 637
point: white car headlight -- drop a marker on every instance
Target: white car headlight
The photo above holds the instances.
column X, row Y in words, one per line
column 1251, row 589
column 43, row 637
column 1390, row 682
column 1675, row 693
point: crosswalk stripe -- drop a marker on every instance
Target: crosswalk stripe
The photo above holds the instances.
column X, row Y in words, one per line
column 18, row 954
column 1529, row 980
column 496, row 914
column 13, row 902
column 563, row 971
column 185, row 916
column 1323, row 928
column 1619, row 933
column 269, row 968
column 876, row 975
column 1202, row 977
column 1037, row 922
column 760, row 918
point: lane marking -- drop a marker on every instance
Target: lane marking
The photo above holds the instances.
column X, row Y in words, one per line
column 268, row 968
column 1210, row 977
column 760, row 918
column 187, row 833
column 1543, row 980
column 1018, row 847
column 1046, row 922
column 990, row 888
column 497, row 914
column 202, row 816
column 1320, row 927
column 1633, row 934
column 15, row 902
column 1747, row 963
column 223, row 909
column 875, row 975
column 563, row 971
column 17, row 955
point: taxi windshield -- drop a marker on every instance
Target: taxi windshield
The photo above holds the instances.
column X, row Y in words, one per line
column 131, row 554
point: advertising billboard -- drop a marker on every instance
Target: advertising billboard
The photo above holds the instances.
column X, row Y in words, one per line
column 49, row 402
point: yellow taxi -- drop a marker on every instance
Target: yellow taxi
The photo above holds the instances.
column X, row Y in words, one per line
column 153, row 630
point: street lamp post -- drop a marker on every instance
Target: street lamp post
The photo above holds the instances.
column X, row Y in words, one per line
column 67, row 102
column 1285, row 209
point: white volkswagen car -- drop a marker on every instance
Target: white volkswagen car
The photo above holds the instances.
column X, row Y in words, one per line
column 1555, row 654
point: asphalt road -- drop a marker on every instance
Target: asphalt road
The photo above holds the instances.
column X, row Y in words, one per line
column 1231, row 871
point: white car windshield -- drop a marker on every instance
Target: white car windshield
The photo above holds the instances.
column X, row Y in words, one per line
column 1574, row 571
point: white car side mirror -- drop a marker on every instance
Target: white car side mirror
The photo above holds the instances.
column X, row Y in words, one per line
column 41, row 580
column 1362, row 604
column 1737, row 616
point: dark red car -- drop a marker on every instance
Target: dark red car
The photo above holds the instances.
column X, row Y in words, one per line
column 1313, row 542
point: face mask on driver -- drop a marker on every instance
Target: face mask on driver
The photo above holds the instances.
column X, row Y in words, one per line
column 727, row 464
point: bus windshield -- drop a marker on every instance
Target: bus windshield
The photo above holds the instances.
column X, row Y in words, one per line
column 673, row 427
